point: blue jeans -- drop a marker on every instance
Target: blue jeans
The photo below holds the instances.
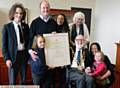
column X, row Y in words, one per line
column 44, row 80
column 77, row 76
column 18, row 66
column 89, row 81
column 82, row 80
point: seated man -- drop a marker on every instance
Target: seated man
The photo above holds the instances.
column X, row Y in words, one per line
column 80, row 61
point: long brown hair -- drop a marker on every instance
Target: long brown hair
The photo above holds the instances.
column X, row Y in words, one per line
column 13, row 9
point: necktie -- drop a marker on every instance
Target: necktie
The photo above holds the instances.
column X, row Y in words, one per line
column 20, row 34
column 78, row 57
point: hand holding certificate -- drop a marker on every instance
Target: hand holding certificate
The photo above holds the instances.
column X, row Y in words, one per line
column 57, row 49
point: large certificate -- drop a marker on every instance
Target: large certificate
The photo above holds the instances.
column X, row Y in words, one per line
column 57, row 49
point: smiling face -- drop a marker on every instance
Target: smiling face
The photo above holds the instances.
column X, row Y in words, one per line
column 18, row 15
column 94, row 49
column 40, row 42
column 79, row 20
column 60, row 20
column 79, row 41
column 44, row 9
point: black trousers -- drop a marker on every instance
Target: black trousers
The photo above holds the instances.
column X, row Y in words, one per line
column 19, row 66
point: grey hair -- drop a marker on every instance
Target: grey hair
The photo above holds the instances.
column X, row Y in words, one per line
column 46, row 1
column 79, row 15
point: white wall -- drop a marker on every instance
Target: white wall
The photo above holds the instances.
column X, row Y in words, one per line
column 105, row 18
column 107, row 26
column 33, row 7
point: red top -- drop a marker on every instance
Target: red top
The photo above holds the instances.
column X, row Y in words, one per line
column 99, row 69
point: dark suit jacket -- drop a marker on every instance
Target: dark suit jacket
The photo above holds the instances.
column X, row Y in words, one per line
column 87, row 61
column 9, row 40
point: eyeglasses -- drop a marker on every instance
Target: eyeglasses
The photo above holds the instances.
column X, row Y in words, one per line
column 79, row 39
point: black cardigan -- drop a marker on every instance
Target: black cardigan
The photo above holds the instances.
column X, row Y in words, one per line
column 38, row 26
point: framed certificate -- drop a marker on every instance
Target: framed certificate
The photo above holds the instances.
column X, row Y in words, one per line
column 57, row 49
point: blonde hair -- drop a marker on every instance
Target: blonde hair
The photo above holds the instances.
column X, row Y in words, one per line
column 102, row 55
column 34, row 45
column 79, row 15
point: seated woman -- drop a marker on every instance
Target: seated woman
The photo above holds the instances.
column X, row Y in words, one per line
column 95, row 47
column 99, row 68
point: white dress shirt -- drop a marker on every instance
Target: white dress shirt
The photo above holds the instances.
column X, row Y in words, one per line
column 45, row 19
column 74, row 62
column 20, row 45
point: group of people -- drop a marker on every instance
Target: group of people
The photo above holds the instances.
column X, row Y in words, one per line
column 89, row 68
column 21, row 44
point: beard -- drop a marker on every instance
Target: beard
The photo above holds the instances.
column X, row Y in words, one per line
column 79, row 46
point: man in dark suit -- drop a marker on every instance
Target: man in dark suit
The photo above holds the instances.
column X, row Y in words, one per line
column 14, row 44
column 79, row 63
